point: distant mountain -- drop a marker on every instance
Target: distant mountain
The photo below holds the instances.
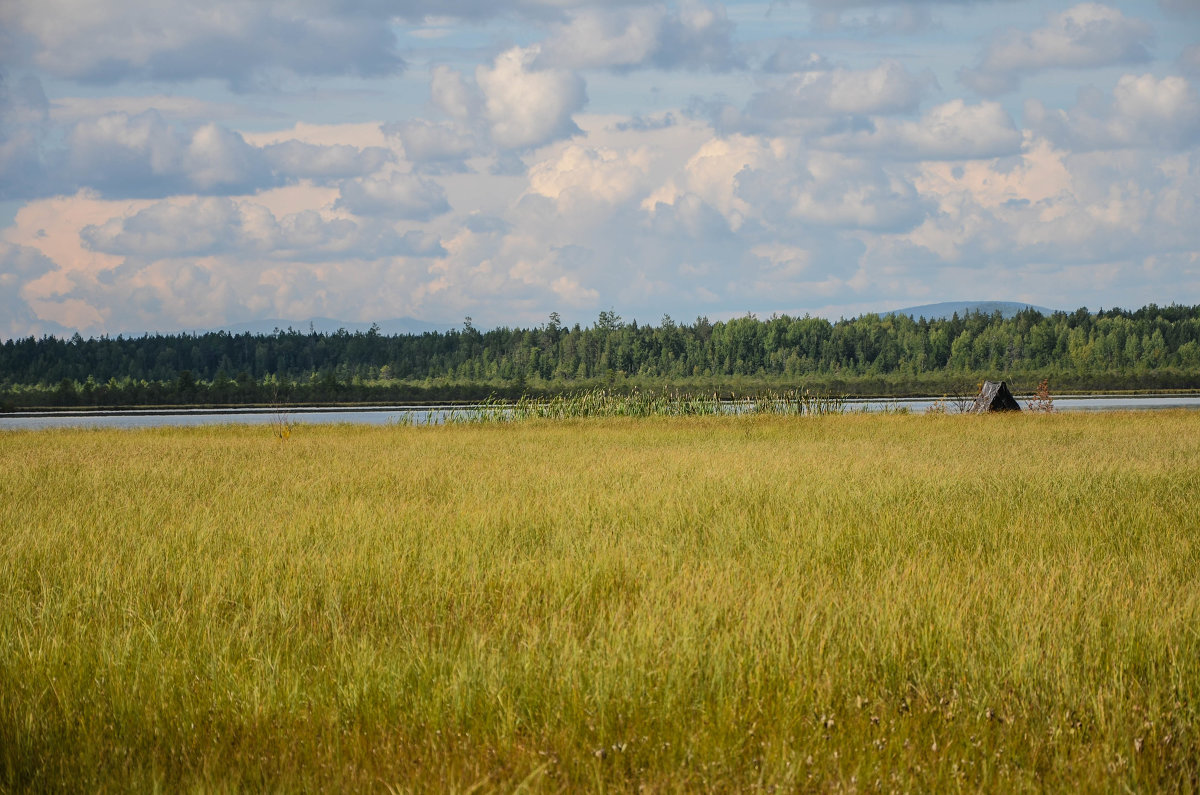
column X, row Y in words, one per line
column 946, row 309
column 325, row 325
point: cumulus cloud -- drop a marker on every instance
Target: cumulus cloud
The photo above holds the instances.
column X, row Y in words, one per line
column 1052, row 212
column 216, row 226
column 525, row 106
column 515, row 103
column 597, row 174
column 300, row 160
column 20, row 265
column 696, row 35
column 832, row 190
column 950, row 131
column 837, row 184
column 735, row 223
column 884, row 89
column 693, row 34
column 757, row 183
column 450, row 92
column 147, row 156
column 196, row 262
column 1083, row 36
column 1142, row 112
column 112, row 40
column 711, row 176
column 397, row 195
column 243, row 44
column 219, row 159
column 597, row 37
column 200, row 227
column 434, row 145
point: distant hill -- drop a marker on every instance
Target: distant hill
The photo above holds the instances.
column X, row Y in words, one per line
column 324, row 325
column 946, row 309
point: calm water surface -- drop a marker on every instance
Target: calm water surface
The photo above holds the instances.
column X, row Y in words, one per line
column 424, row 415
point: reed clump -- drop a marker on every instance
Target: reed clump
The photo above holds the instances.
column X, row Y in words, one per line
column 649, row 403
column 979, row 603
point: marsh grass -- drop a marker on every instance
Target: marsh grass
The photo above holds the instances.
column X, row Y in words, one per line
column 650, row 403
column 996, row 603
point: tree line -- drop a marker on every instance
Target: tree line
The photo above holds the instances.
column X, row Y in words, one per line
column 1152, row 347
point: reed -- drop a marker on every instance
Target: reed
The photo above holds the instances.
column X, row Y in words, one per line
column 649, row 403
column 759, row 602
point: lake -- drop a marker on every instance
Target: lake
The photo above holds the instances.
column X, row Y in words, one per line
column 423, row 415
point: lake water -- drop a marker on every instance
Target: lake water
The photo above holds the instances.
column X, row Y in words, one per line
column 423, row 415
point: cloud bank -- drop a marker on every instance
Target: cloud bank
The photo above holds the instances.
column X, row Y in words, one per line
column 177, row 165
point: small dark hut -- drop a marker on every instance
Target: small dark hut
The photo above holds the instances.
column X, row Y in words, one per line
column 994, row 396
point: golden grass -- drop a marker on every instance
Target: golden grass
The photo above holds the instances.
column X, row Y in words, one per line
column 995, row 603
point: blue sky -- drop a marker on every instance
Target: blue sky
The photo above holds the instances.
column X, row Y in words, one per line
column 170, row 165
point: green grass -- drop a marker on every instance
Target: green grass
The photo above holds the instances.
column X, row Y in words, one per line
column 997, row 603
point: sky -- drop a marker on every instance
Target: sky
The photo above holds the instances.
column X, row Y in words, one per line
column 171, row 165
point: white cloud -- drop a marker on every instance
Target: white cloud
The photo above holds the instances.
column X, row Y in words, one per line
column 951, row 131
column 217, row 158
column 525, row 106
column 831, row 190
column 515, row 103
column 1083, row 36
column 18, row 266
column 606, row 37
column 588, row 173
column 199, row 227
column 300, row 160
column 692, row 34
column 771, row 184
column 202, row 227
column 711, row 176
column 824, row 178
column 397, row 195
column 433, row 143
column 1143, row 112
column 451, row 93
column 1103, row 210
column 697, row 34
column 884, row 89
column 147, row 156
column 143, row 155
column 167, row 40
column 728, row 224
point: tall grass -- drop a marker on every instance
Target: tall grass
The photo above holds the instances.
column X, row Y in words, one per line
column 998, row 603
column 650, row 403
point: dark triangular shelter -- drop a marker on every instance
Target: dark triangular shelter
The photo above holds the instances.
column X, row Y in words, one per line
column 994, row 396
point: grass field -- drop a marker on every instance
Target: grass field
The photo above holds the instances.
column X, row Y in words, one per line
column 1003, row 603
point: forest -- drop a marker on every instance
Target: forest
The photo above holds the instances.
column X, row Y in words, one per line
column 1152, row 348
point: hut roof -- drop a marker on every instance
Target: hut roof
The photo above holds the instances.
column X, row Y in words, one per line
column 994, row 396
